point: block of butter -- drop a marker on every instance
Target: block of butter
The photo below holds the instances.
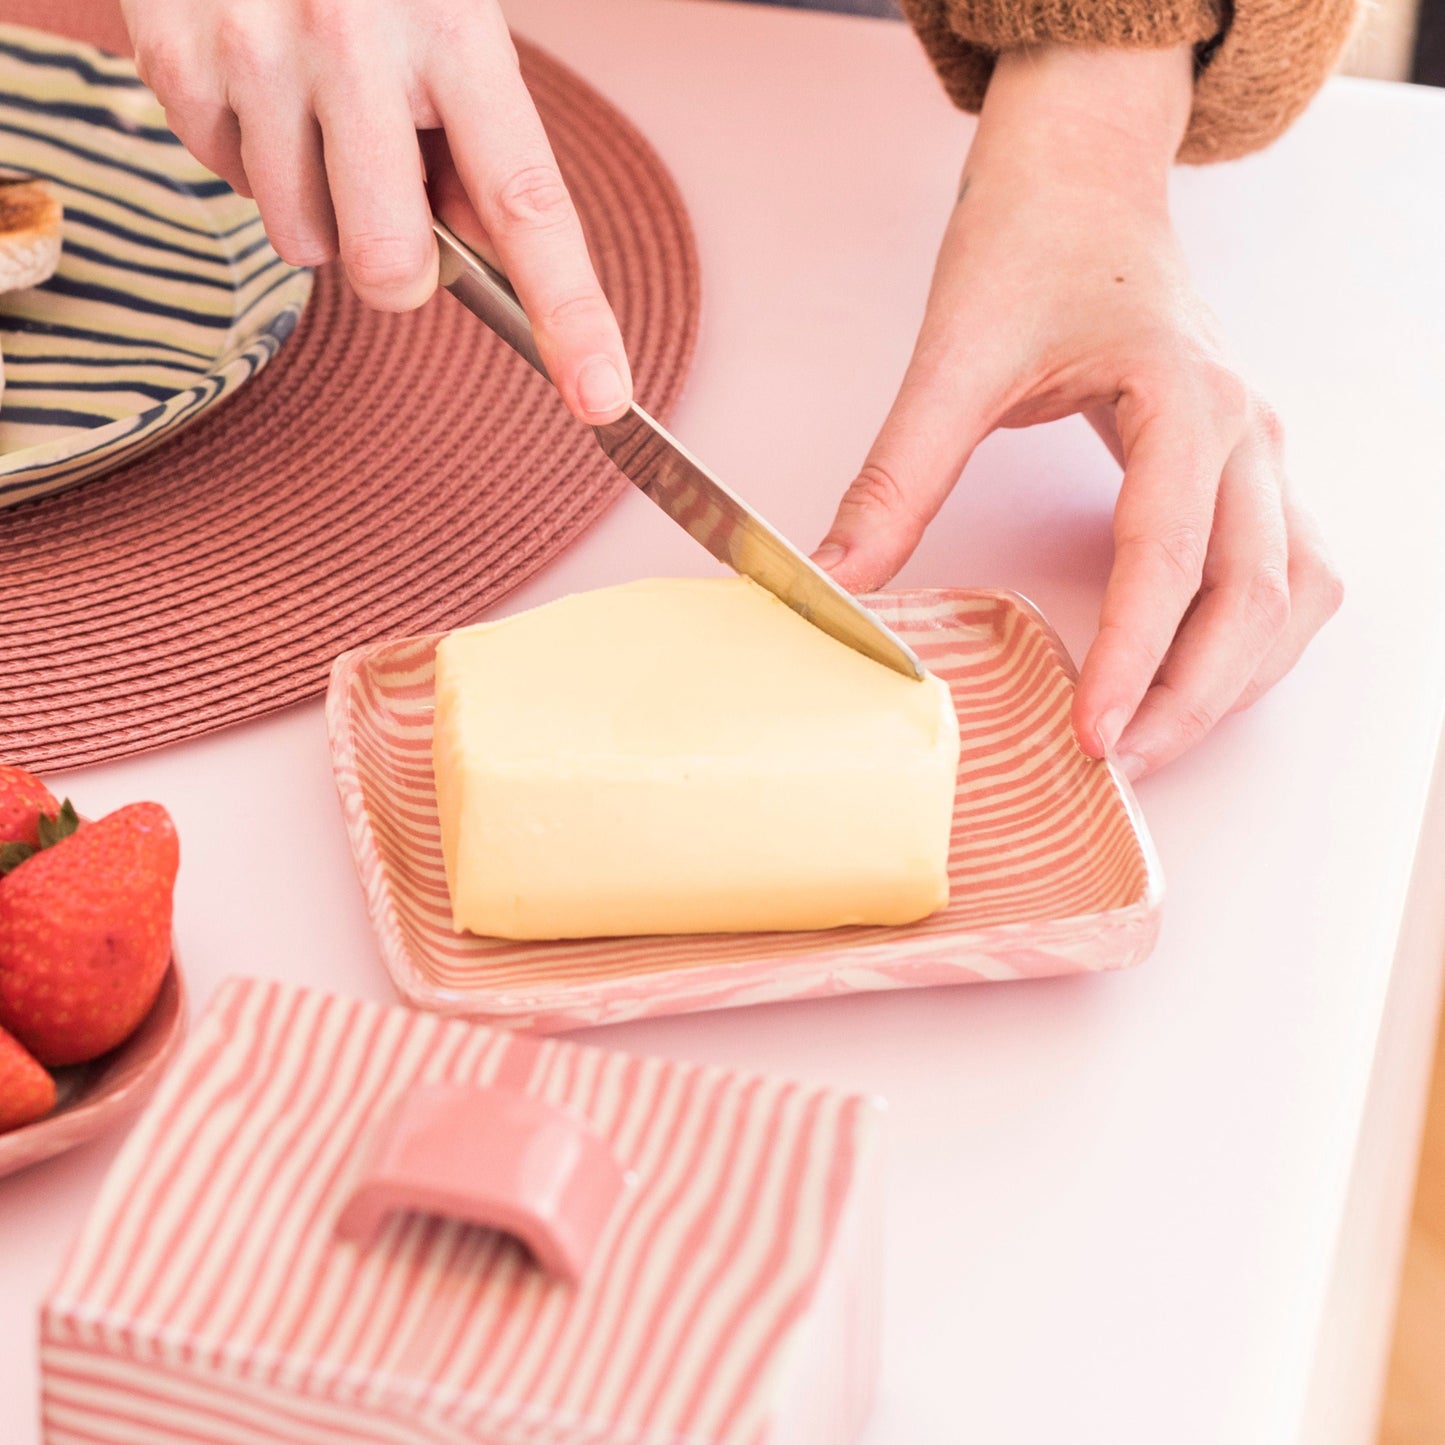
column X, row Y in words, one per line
column 685, row 756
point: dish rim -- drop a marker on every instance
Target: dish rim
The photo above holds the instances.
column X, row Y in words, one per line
column 502, row 1006
column 153, row 1044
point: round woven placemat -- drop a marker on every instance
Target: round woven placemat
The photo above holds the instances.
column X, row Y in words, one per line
column 386, row 475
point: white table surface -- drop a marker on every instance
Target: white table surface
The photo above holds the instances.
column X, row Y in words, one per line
column 1143, row 1207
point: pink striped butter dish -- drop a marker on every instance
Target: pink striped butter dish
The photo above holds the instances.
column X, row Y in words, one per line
column 1051, row 869
column 340, row 1222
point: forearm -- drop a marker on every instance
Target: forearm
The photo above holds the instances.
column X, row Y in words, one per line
column 1092, row 113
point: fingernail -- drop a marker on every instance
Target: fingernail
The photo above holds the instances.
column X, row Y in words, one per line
column 599, row 385
column 828, row 556
column 1131, row 765
column 1111, row 725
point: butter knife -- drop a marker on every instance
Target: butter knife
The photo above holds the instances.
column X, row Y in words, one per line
column 665, row 471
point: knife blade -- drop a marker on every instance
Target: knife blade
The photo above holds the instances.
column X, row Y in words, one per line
column 662, row 469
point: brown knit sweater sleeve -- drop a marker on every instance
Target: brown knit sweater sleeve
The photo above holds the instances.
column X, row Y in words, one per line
column 1256, row 69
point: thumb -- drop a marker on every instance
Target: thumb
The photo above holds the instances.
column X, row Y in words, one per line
column 927, row 439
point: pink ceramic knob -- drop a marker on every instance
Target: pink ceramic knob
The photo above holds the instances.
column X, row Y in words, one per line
column 492, row 1157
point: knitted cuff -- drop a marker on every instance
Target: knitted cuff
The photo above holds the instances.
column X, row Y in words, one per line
column 1255, row 74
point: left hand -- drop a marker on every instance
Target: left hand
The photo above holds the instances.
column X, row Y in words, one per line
column 1060, row 288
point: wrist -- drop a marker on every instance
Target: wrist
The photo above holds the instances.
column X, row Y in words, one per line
column 1089, row 110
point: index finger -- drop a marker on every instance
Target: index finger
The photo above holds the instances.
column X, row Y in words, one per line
column 1162, row 525
column 510, row 174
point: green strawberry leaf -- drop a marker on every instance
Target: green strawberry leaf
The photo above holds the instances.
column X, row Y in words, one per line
column 51, row 830
column 57, row 829
column 12, row 855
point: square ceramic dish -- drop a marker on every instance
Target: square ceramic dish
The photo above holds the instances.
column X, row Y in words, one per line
column 338, row 1222
column 1051, row 868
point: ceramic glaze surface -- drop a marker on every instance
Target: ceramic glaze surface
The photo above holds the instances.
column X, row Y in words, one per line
column 1050, row 868
column 211, row 1298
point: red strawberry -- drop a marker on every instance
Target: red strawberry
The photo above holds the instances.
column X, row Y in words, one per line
column 23, row 798
column 85, row 935
column 27, row 1092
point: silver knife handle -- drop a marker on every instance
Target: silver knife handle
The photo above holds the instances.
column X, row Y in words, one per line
column 484, row 290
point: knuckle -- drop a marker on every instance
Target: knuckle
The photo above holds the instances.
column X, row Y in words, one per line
column 1227, row 395
column 1193, row 719
column 1267, row 596
column 329, row 21
column 1269, row 426
column 164, row 67
column 1330, row 586
column 243, row 49
column 1314, row 575
column 1181, row 550
column 534, row 197
column 1145, row 390
column 1333, row 586
column 876, row 489
column 582, row 311
column 1252, row 693
column 382, row 265
column 454, row 29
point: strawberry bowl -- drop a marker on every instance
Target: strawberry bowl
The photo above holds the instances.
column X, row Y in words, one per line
column 96, row 1096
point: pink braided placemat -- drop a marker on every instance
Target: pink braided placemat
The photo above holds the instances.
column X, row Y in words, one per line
column 386, row 474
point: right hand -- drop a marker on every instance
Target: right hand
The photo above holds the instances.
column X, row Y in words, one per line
column 313, row 107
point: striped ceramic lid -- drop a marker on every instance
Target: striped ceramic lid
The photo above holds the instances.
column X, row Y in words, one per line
column 210, row 1282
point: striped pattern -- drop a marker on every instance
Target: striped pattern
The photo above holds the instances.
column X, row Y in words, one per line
column 1050, row 865
column 168, row 297
column 209, row 1299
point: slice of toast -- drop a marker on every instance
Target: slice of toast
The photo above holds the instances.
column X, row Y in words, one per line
column 30, row 218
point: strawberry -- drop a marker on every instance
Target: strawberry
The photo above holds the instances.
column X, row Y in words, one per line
column 27, row 1092
column 85, row 934
column 23, row 798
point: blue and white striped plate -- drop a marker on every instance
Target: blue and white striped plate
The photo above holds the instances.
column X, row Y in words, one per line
column 168, row 297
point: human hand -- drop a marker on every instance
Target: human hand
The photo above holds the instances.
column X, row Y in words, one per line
column 314, row 107
column 1060, row 288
